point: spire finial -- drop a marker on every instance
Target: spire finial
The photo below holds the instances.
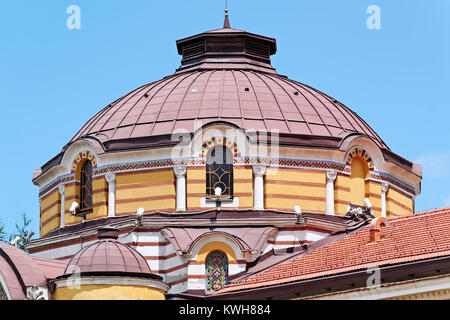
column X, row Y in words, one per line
column 226, row 24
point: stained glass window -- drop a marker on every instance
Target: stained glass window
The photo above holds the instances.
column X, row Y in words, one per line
column 219, row 172
column 216, row 271
column 86, row 186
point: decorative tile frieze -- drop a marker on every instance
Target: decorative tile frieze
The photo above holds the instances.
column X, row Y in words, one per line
column 382, row 177
column 55, row 183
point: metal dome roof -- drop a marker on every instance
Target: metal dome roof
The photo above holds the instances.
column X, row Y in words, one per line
column 246, row 98
column 225, row 76
column 106, row 256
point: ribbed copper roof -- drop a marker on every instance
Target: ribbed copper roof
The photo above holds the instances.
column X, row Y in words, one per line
column 245, row 98
column 226, row 76
column 107, row 255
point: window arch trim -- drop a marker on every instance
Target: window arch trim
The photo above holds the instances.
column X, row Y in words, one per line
column 359, row 152
column 220, row 141
column 81, row 157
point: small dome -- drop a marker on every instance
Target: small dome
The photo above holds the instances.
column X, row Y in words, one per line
column 107, row 255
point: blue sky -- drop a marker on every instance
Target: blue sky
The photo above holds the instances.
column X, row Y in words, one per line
column 54, row 79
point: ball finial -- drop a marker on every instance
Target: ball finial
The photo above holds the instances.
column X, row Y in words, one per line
column 226, row 24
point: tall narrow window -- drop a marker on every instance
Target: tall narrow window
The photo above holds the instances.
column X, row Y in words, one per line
column 216, row 271
column 219, row 172
column 86, row 186
column 359, row 173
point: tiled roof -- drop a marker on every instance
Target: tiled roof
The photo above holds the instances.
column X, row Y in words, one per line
column 421, row 236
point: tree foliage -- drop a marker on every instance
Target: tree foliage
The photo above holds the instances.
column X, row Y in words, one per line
column 22, row 230
column 3, row 234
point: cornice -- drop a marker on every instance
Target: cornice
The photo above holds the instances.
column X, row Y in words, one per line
column 206, row 219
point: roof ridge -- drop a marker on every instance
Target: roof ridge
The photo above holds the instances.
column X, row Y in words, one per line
column 434, row 210
column 421, row 214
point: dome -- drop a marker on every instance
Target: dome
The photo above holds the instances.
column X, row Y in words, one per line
column 226, row 77
column 247, row 99
column 106, row 256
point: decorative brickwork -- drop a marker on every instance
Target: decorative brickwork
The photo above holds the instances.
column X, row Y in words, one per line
column 220, row 141
column 358, row 151
column 82, row 156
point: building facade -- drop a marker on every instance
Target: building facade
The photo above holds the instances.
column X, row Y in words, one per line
column 209, row 171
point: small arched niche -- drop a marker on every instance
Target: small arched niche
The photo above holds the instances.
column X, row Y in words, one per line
column 359, row 174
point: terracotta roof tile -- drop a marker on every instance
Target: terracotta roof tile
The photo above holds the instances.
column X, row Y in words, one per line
column 421, row 236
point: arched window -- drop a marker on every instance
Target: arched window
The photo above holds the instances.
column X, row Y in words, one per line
column 359, row 173
column 219, row 172
column 86, row 186
column 216, row 271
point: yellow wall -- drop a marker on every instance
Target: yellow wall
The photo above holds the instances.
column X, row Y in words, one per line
column 342, row 196
column 398, row 203
column 153, row 190
column 373, row 193
column 285, row 188
column 108, row 292
column 50, row 218
column 72, row 194
column 100, row 197
column 243, row 185
column 50, row 211
column 359, row 173
column 196, row 187
column 216, row 246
